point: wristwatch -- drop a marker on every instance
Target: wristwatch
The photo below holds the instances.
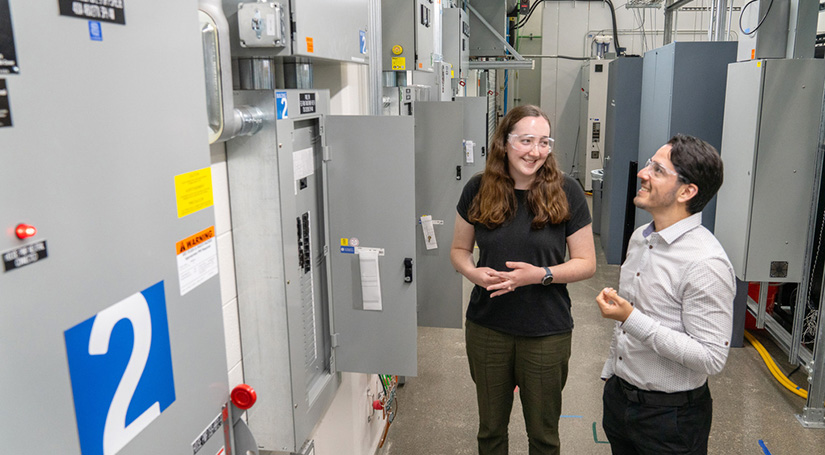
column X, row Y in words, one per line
column 548, row 277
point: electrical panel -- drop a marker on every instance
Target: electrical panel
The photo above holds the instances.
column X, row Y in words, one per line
column 111, row 308
column 323, row 261
column 590, row 152
column 456, row 44
column 770, row 155
column 408, row 35
column 450, row 147
column 282, row 28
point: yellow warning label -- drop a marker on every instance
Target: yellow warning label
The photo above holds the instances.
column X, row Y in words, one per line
column 195, row 240
column 399, row 64
column 759, row 64
column 310, row 45
column 193, row 191
column 344, row 242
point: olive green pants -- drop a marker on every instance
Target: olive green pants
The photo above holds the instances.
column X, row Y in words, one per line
column 537, row 365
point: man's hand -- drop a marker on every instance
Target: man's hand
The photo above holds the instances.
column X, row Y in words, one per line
column 612, row 306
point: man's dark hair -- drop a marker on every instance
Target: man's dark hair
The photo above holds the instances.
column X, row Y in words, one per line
column 699, row 163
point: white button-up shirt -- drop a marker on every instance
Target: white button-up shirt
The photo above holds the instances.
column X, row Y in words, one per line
column 682, row 286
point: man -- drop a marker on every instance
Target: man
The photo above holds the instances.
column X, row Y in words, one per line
column 675, row 313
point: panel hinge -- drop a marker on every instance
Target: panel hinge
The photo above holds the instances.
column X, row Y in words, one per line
column 325, row 151
column 334, row 340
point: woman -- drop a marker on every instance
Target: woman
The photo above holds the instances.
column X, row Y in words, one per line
column 521, row 211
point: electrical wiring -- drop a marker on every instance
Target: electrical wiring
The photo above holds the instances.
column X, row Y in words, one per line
column 759, row 24
column 775, row 371
column 522, row 22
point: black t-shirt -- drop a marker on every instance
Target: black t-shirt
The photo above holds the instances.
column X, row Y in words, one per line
column 532, row 310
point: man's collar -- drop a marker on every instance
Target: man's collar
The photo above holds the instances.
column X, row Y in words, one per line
column 674, row 231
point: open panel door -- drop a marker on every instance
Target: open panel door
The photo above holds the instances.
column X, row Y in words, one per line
column 370, row 173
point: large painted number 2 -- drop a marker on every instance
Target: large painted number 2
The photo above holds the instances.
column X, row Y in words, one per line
column 116, row 433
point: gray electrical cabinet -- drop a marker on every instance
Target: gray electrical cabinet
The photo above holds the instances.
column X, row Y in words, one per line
column 324, row 223
column 282, row 28
column 450, row 147
column 621, row 148
column 770, row 166
column 456, row 43
column 111, row 318
column 590, row 151
column 408, row 37
column 683, row 91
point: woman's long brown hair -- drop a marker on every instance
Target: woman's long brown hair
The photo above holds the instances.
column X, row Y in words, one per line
column 496, row 202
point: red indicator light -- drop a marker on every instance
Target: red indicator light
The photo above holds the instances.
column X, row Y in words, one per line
column 25, row 231
column 243, row 396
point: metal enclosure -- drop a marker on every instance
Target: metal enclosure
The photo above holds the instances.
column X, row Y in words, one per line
column 456, row 45
column 621, row 147
column 408, row 35
column 305, row 213
column 304, row 35
column 483, row 43
column 112, row 168
column 279, row 234
column 590, row 151
column 770, row 157
column 683, row 91
column 450, row 147
column 769, row 20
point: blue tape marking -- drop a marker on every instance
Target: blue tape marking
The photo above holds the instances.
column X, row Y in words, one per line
column 764, row 447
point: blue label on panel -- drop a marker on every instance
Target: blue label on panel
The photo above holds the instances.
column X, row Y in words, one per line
column 281, row 108
column 348, row 249
column 363, row 41
column 95, row 32
column 120, row 363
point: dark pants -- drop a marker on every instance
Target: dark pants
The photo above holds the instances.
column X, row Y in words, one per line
column 641, row 422
column 537, row 365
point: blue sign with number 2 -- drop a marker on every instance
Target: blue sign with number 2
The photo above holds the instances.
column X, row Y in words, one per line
column 120, row 364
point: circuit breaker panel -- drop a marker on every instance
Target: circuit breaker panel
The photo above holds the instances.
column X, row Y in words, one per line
column 111, row 314
column 323, row 230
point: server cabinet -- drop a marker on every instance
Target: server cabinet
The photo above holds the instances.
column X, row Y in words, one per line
column 621, row 146
column 770, row 166
column 450, row 142
column 324, row 221
column 683, row 91
column 111, row 316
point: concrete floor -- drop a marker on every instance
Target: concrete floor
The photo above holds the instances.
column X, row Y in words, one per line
column 437, row 411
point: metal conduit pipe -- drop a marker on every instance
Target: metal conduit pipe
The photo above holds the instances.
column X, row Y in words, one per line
column 224, row 120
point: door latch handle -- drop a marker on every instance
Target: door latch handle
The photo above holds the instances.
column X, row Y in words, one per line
column 408, row 270
column 458, row 172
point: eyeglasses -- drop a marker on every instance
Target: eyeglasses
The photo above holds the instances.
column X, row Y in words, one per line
column 526, row 142
column 659, row 171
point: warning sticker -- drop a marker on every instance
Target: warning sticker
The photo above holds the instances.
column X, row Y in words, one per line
column 193, row 191
column 310, row 46
column 399, row 64
column 8, row 57
column 24, row 255
column 197, row 259
column 99, row 10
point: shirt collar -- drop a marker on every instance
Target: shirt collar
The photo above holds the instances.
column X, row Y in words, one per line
column 673, row 232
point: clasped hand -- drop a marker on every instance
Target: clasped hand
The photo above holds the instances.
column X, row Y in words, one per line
column 612, row 306
column 501, row 283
